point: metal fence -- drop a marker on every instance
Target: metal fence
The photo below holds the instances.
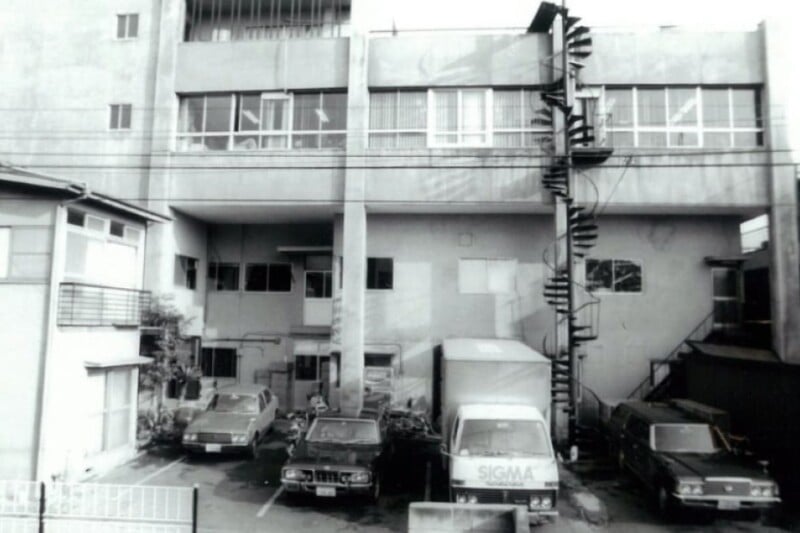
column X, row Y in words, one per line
column 27, row 506
column 81, row 304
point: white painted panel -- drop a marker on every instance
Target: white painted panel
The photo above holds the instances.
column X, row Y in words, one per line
column 318, row 311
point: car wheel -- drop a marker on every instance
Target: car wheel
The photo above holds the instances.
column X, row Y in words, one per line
column 376, row 490
column 254, row 447
column 664, row 502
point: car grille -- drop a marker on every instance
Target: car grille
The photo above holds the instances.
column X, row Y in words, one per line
column 324, row 476
column 727, row 487
column 214, row 438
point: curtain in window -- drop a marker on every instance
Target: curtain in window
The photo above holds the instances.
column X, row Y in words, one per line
column 446, row 120
column 619, row 107
column 473, row 116
column 682, row 107
column 652, row 111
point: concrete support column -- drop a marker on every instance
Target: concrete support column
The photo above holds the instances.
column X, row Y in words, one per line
column 780, row 95
column 354, row 238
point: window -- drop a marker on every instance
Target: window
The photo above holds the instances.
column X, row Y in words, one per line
column 487, row 276
column 318, row 284
column 249, row 121
column 269, row 277
column 117, row 229
column 398, row 119
column 380, row 273
column 309, row 367
column 512, row 117
column 96, row 254
column 5, row 251
column 320, row 120
column 459, row 117
column 128, row 26
column 613, row 275
column 223, row 276
column 714, row 117
column 110, row 426
column 726, row 300
column 455, row 117
column 119, row 117
column 218, row 362
column 186, row 271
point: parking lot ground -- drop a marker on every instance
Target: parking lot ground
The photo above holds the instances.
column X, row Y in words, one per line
column 239, row 494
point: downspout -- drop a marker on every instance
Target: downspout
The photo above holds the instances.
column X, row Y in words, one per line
column 56, row 273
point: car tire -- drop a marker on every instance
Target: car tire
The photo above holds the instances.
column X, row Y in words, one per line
column 253, row 451
column 375, row 493
column 666, row 507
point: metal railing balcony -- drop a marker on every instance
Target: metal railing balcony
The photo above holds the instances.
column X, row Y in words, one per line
column 82, row 304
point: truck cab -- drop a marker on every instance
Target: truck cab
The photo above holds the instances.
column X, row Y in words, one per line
column 503, row 454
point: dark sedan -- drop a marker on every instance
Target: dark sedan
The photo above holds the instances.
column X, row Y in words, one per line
column 337, row 456
column 686, row 461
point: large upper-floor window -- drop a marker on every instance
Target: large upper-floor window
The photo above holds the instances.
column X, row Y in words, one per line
column 459, row 117
column 270, row 120
column 675, row 117
column 238, row 20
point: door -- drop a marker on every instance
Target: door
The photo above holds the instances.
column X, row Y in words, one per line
column 726, row 297
column 318, row 302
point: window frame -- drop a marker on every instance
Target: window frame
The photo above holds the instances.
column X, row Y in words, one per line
column 116, row 114
column 737, row 298
column 214, row 287
column 488, row 107
column 327, row 283
column 613, row 276
column 102, row 235
column 268, row 265
column 367, row 282
column 127, row 17
column 213, row 350
column 699, row 128
column 185, row 283
column 237, row 120
column 396, row 131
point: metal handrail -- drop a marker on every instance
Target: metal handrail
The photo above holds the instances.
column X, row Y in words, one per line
column 655, row 365
column 89, row 305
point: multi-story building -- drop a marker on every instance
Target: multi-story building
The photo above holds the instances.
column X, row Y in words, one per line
column 341, row 198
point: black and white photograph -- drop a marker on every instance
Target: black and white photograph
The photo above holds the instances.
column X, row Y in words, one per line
column 399, row 266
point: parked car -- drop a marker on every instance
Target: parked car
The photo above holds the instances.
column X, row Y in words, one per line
column 339, row 455
column 685, row 461
column 237, row 418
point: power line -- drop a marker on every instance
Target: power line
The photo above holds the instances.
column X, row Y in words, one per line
column 303, row 154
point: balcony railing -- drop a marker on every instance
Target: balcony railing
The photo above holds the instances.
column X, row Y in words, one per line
column 247, row 20
column 81, row 304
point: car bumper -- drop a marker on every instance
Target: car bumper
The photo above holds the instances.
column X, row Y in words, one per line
column 725, row 503
column 339, row 489
column 202, row 447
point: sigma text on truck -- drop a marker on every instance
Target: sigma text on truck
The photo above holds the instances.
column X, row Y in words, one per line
column 495, row 396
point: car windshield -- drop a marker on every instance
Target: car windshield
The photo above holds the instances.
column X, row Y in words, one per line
column 344, row 431
column 504, row 438
column 685, row 438
column 234, row 403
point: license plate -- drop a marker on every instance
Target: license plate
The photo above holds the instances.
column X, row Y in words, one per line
column 213, row 447
column 329, row 492
column 728, row 505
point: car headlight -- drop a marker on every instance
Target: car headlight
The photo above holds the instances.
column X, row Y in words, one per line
column 294, row 474
column 472, row 498
column 189, row 437
column 693, row 488
column 766, row 491
column 535, row 502
column 547, row 503
column 359, row 477
column 239, row 438
column 461, row 498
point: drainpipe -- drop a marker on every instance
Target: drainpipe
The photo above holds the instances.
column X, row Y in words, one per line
column 56, row 273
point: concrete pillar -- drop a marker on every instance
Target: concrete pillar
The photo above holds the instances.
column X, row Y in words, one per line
column 354, row 239
column 780, row 107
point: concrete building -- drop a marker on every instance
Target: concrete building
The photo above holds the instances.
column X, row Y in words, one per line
column 341, row 200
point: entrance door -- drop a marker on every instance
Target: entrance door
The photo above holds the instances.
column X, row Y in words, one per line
column 726, row 296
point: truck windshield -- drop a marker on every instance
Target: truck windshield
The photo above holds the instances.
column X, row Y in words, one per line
column 504, row 438
column 685, row 438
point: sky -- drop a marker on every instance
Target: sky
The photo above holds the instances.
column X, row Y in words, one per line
column 702, row 14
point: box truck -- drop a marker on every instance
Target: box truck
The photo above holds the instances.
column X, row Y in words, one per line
column 495, row 408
